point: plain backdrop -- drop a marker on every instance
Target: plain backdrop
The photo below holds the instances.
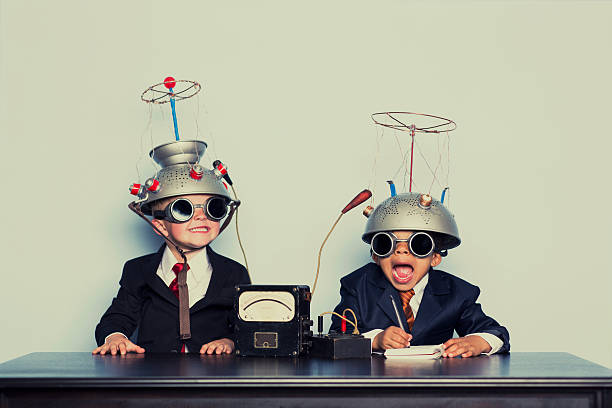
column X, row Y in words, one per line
column 288, row 90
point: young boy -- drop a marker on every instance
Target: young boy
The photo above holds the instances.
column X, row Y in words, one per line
column 187, row 203
column 408, row 235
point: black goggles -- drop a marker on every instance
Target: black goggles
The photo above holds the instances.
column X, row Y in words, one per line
column 182, row 210
column 420, row 244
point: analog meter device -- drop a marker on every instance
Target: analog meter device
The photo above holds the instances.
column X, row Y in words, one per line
column 272, row 320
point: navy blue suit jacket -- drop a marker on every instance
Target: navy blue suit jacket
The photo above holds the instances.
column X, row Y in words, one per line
column 448, row 304
column 145, row 302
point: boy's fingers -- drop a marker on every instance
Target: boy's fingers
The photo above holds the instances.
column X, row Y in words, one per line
column 122, row 348
column 113, row 349
column 450, row 342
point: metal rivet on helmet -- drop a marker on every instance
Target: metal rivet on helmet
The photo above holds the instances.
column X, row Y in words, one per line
column 196, row 172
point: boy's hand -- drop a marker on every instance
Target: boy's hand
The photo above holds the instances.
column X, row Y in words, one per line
column 392, row 337
column 118, row 342
column 467, row 346
column 218, row 347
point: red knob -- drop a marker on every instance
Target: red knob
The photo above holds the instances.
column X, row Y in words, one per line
column 169, row 82
column 195, row 174
column 134, row 188
column 153, row 185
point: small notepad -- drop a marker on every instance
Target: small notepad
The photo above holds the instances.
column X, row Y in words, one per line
column 416, row 352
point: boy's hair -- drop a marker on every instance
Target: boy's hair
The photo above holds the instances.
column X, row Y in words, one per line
column 160, row 205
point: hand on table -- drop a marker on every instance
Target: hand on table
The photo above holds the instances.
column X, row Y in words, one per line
column 220, row 346
column 118, row 343
column 467, row 346
column 392, row 337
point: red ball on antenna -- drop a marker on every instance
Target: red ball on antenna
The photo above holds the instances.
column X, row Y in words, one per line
column 169, row 82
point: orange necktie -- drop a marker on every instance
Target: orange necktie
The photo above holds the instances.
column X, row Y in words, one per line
column 406, row 296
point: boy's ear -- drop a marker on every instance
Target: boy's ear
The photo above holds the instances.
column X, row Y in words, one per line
column 160, row 226
column 375, row 258
column 437, row 258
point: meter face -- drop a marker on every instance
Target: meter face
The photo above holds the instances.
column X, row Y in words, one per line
column 266, row 306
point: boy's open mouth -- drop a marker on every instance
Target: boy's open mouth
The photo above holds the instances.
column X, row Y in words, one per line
column 402, row 273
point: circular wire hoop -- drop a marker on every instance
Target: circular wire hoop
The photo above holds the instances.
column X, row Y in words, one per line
column 159, row 94
column 407, row 121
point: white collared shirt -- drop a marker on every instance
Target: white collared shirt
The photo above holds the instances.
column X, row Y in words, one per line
column 198, row 275
column 419, row 289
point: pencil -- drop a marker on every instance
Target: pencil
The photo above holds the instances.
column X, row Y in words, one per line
column 399, row 320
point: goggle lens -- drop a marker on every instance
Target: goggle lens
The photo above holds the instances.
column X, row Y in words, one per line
column 216, row 208
column 421, row 244
column 181, row 210
column 382, row 244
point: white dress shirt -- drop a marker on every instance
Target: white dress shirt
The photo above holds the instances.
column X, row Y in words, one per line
column 495, row 342
column 198, row 275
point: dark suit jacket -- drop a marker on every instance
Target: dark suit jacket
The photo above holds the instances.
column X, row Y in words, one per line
column 145, row 302
column 448, row 304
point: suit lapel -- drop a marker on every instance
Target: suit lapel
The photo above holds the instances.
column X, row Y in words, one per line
column 379, row 280
column 431, row 303
column 155, row 282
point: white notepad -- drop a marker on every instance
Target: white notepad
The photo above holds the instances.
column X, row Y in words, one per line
column 416, row 352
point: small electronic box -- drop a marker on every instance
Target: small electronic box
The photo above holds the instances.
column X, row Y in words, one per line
column 272, row 320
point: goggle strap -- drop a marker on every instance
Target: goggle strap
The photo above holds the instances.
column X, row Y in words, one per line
column 233, row 208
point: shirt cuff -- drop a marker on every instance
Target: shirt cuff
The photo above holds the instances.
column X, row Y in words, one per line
column 106, row 338
column 495, row 342
column 370, row 335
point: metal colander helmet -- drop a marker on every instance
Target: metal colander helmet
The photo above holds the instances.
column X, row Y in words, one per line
column 415, row 212
column 180, row 174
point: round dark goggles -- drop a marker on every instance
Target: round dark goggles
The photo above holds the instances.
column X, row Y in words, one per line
column 420, row 244
column 182, row 210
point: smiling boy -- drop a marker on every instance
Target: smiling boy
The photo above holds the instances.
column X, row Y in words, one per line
column 187, row 203
column 408, row 235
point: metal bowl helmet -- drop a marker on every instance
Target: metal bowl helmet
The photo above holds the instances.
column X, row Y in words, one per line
column 415, row 212
column 180, row 174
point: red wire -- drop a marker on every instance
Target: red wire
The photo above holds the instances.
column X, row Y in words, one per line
column 411, row 156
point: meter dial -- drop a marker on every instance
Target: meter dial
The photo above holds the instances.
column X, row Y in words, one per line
column 266, row 306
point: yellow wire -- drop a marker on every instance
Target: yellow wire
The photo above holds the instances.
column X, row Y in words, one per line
column 355, row 331
column 319, row 258
column 238, row 235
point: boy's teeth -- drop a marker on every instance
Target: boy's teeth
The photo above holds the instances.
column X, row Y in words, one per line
column 205, row 229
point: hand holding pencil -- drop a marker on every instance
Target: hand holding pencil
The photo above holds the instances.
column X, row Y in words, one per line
column 392, row 337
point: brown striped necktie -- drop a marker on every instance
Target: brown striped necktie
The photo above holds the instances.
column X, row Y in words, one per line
column 178, row 267
column 406, row 296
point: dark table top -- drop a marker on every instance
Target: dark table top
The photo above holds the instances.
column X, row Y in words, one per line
column 84, row 369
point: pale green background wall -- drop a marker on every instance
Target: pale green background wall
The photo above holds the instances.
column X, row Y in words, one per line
column 289, row 87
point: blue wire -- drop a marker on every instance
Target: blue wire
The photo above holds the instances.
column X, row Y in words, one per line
column 392, row 187
column 443, row 195
column 174, row 115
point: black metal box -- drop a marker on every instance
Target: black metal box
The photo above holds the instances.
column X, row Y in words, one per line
column 272, row 320
column 337, row 346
